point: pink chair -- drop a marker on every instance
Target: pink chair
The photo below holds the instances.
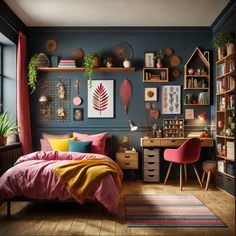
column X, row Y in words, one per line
column 187, row 153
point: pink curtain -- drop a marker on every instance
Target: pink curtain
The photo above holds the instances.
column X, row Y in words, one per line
column 23, row 111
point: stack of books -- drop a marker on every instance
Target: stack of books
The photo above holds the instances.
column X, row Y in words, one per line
column 67, row 64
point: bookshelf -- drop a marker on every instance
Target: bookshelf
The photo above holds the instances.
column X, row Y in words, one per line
column 225, row 123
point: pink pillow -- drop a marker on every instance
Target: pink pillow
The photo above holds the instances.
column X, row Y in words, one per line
column 45, row 145
column 98, row 144
column 56, row 136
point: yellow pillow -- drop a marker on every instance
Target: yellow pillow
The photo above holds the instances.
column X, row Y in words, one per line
column 61, row 145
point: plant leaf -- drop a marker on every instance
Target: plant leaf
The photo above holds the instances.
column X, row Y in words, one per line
column 100, row 98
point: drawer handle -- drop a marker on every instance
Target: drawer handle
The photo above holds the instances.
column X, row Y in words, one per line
column 151, row 176
column 127, row 163
column 151, row 170
column 173, row 141
column 151, row 155
column 151, row 141
column 127, row 156
column 151, row 162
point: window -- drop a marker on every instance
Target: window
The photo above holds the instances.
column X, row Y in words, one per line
column 1, row 78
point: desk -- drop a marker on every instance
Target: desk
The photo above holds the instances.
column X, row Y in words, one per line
column 151, row 154
column 171, row 142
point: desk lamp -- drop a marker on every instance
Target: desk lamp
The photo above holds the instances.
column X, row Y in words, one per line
column 133, row 127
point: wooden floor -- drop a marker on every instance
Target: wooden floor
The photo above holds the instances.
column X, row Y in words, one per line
column 90, row 219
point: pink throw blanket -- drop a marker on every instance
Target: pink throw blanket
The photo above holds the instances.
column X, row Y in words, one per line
column 33, row 177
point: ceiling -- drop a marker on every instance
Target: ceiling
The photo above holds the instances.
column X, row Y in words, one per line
column 117, row 12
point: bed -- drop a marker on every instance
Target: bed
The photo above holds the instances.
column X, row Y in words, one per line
column 57, row 175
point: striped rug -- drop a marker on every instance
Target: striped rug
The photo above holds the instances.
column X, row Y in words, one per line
column 160, row 210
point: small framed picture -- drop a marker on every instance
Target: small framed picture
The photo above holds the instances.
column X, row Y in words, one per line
column 150, row 94
column 189, row 114
column 149, row 59
column 78, row 114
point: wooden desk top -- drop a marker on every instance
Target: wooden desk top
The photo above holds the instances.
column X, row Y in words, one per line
column 172, row 142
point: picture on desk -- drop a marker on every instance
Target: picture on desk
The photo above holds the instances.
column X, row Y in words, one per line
column 189, row 114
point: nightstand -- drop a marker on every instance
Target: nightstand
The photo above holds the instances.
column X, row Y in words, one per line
column 127, row 161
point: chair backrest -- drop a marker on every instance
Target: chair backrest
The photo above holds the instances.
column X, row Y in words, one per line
column 189, row 151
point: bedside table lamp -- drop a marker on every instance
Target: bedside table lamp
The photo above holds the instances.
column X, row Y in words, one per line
column 133, row 127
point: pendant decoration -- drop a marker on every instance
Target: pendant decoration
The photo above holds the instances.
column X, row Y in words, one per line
column 61, row 90
column 125, row 94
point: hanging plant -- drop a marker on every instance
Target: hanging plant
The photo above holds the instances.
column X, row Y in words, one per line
column 32, row 73
column 91, row 60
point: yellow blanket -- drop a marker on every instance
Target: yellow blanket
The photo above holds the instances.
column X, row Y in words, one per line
column 81, row 176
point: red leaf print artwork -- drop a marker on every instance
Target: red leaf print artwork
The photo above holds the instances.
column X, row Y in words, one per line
column 100, row 98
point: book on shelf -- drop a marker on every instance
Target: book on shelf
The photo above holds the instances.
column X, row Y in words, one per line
column 221, row 69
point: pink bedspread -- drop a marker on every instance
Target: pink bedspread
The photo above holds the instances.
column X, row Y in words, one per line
column 32, row 176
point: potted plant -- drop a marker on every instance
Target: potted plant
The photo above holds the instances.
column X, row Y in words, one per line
column 32, row 73
column 158, row 57
column 108, row 62
column 223, row 40
column 7, row 127
column 91, row 61
column 230, row 42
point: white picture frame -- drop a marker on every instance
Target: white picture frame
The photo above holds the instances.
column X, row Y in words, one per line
column 149, row 59
column 171, row 99
column 189, row 114
column 101, row 99
column 150, row 94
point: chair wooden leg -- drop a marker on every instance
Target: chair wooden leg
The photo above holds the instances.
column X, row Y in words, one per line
column 203, row 176
column 185, row 173
column 180, row 176
column 168, row 172
column 195, row 170
column 208, row 180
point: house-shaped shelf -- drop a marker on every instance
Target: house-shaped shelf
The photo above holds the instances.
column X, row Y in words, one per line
column 197, row 77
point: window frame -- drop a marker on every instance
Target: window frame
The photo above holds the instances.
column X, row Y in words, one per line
column 1, row 77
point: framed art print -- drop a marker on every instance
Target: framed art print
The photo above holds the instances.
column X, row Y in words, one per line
column 150, row 94
column 149, row 59
column 171, row 99
column 78, row 114
column 189, row 114
column 101, row 99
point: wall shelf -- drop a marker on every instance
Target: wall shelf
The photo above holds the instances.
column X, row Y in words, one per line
column 197, row 78
column 155, row 75
column 81, row 69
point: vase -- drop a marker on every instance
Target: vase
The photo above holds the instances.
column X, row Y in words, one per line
column 127, row 63
column 97, row 61
column 230, row 48
column 191, row 71
column 221, row 52
column 3, row 140
column 159, row 63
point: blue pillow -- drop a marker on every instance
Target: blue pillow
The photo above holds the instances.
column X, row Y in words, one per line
column 75, row 146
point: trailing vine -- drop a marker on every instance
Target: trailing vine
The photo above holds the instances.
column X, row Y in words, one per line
column 88, row 67
column 32, row 73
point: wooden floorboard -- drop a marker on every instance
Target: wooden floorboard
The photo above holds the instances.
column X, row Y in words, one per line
column 70, row 218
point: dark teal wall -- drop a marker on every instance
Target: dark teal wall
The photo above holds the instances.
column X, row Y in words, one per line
column 182, row 40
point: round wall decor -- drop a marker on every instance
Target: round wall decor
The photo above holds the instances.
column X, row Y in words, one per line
column 51, row 45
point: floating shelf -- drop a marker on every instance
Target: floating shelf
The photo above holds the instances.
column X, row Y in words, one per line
column 81, row 69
